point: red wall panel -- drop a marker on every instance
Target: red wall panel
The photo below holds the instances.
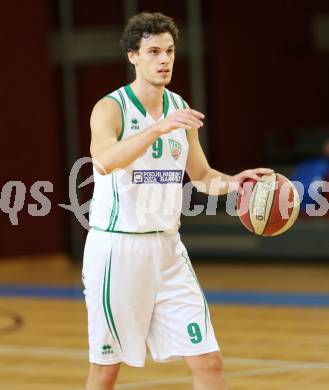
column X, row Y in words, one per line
column 263, row 76
column 174, row 9
column 30, row 145
column 97, row 13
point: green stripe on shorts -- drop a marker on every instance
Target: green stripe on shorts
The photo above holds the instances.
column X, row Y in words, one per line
column 107, row 301
column 206, row 310
column 104, row 302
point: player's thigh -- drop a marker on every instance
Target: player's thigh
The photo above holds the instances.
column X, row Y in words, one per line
column 181, row 324
column 119, row 297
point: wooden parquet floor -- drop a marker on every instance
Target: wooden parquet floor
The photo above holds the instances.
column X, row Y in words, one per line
column 43, row 341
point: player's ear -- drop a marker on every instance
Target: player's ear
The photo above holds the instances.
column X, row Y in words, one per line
column 132, row 56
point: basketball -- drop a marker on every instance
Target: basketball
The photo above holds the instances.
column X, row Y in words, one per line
column 270, row 206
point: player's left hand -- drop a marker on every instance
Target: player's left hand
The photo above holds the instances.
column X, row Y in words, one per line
column 254, row 174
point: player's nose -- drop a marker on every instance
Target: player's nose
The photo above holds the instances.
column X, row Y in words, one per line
column 164, row 58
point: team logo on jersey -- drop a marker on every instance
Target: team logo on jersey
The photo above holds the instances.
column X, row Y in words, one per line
column 175, row 148
column 134, row 124
column 107, row 349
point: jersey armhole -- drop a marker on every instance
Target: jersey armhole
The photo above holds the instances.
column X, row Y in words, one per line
column 177, row 106
column 122, row 116
column 184, row 106
column 183, row 102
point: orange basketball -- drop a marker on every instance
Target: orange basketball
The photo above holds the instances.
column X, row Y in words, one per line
column 268, row 207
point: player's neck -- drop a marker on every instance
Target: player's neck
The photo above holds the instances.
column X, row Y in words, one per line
column 151, row 96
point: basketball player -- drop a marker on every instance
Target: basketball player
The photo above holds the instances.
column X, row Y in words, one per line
column 140, row 287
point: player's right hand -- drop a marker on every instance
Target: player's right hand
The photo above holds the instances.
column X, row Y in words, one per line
column 185, row 118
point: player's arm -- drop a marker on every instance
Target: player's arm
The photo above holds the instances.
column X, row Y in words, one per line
column 109, row 154
column 209, row 180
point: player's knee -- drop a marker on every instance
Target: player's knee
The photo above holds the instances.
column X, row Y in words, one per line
column 108, row 376
column 210, row 364
column 213, row 365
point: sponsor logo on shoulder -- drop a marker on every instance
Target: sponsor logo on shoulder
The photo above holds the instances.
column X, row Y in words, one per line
column 134, row 125
column 175, row 148
column 157, row 176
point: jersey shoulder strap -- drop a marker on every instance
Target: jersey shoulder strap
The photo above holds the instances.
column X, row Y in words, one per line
column 177, row 101
column 119, row 97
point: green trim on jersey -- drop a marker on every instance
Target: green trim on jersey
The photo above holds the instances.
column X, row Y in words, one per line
column 115, row 207
column 125, row 111
column 183, row 102
column 134, row 99
column 107, row 301
column 122, row 232
column 206, row 310
column 116, row 194
column 122, row 115
column 165, row 103
column 174, row 101
column 177, row 107
column 140, row 106
column 184, row 106
column 123, row 101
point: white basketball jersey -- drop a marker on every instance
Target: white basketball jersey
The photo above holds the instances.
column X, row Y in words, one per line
column 146, row 196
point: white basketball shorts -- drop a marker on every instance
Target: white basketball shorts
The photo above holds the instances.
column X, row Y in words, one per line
column 141, row 289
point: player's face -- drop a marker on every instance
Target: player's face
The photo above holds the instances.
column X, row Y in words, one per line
column 155, row 59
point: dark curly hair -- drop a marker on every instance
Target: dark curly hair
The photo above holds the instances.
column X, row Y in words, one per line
column 144, row 24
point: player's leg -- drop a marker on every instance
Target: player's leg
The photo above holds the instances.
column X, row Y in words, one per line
column 102, row 377
column 119, row 298
column 207, row 371
column 181, row 326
